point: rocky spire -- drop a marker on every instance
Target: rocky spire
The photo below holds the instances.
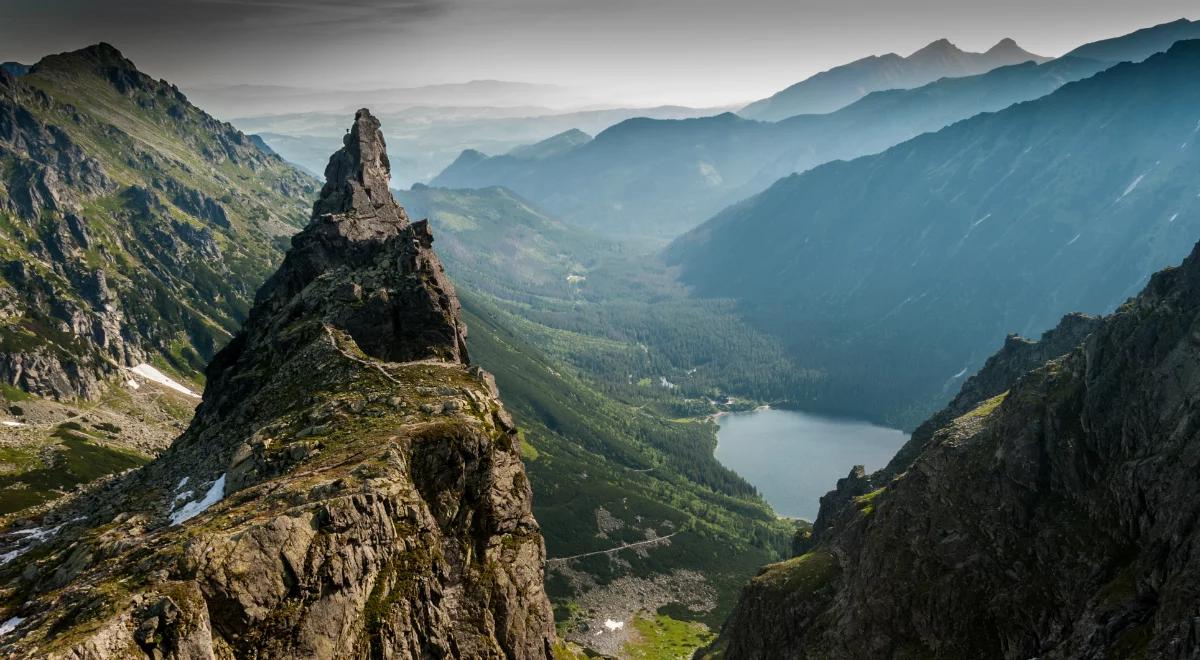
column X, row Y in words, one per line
column 348, row 488
column 357, row 179
column 379, row 278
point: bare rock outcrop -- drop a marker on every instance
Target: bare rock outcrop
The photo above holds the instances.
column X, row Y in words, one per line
column 350, row 487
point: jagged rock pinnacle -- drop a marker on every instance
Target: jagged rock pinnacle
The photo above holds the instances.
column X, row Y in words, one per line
column 361, row 268
column 357, row 180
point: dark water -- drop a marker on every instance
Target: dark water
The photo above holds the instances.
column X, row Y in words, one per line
column 794, row 458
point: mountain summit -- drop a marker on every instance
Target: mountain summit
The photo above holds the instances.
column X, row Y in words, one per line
column 840, row 86
column 349, row 486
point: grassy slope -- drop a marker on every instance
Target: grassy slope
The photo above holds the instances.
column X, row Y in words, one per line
column 177, row 306
column 578, row 332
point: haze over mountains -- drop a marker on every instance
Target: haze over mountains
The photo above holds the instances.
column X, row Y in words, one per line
column 230, row 101
column 79, row 257
column 363, row 477
column 658, row 178
column 841, row 86
column 431, row 137
column 1063, row 203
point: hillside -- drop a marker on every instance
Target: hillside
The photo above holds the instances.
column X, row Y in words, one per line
column 570, row 396
column 580, row 335
column 349, row 487
column 134, row 230
column 1047, row 513
column 898, row 272
column 840, row 86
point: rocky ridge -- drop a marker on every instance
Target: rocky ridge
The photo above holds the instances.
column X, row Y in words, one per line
column 134, row 227
column 1045, row 513
column 349, row 486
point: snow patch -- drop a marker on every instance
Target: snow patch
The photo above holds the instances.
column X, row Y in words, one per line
column 710, row 174
column 613, row 625
column 1131, row 186
column 132, row 384
column 28, row 538
column 215, row 494
column 150, row 373
column 10, row 625
column 9, row 422
column 662, row 380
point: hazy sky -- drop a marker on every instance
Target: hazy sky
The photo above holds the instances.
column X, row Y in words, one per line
column 682, row 51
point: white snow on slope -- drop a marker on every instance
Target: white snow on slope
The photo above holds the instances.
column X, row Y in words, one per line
column 150, row 373
column 613, row 625
column 10, row 625
column 9, row 422
column 215, row 494
column 1131, row 186
column 28, row 538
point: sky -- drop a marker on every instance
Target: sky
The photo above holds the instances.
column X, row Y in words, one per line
column 693, row 52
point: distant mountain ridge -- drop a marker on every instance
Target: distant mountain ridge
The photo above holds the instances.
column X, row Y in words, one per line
column 14, row 69
column 902, row 269
column 840, row 86
column 660, row 178
column 229, row 101
column 1134, row 47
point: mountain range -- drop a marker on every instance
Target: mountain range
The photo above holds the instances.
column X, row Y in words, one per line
column 840, row 86
column 902, row 270
column 657, row 179
column 229, row 101
column 429, row 138
column 565, row 376
column 363, row 477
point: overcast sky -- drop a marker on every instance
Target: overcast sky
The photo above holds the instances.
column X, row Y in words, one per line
column 698, row 52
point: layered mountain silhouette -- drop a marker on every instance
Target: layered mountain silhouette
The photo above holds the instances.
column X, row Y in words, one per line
column 840, row 86
column 660, row 178
column 900, row 271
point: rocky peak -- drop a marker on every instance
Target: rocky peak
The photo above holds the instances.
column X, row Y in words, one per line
column 357, row 183
column 348, row 488
column 361, row 267
column 97, row 57
column 940, row 47
column 1007, row 44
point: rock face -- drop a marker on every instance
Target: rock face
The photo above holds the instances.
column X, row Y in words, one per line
column 1050, row 514
column 350, row 487
column 134, row 228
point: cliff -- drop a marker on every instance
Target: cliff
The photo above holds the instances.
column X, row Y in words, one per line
column 350, row 485
column 1048, row 512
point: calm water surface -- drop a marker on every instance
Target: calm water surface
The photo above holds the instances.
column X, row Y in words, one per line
column 794, row 458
